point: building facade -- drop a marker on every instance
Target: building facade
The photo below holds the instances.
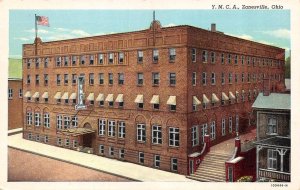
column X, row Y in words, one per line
column 15, row 103
column 273, row 146
column 151, row 95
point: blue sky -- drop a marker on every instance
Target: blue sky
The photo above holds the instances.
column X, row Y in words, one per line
column 265, row 26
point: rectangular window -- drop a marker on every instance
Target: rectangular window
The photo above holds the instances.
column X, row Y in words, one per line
column 140, row 105
column 74, row 60
column 46, row 120
column 20, row 93
column 140, row 79
column 156, row 134
column 204, row 78
column 230, row 78
column 91, row 59
column 172, row 54
column 59, row 141
column 121, row 129
column 229, row 58
column 29, row 136
column 101, row 78
column 74, row 121
column 46, row 139
column 121, row 153
column 66, row 59
column 248, row 60
column 46, row 79
column 222, row 58
column 37, row 119
column 101, row 149
column 100, row 59
column 58, row 61
column 195, row 136
column 59, row 122
column 121, row 58
column 236, row 77
column 272, row 125
column 82, row 59
column 248, row 78
column 29, row 118
column 58, row 79
column 213, row 78
column 37, row 79
column 204, row 56
column 121, row 78
column 28, row 63
column 194, row 57
column 194, row 80
column 66, row 79
column 10, row 93
column 173, row 136
column 213, row 57
column 91, row 78
column 141, row 157
column 242, row 58
column 155, row 55
column 66, row 122
column 37, row 137
column 101, row 126
column 172, row 79
column 174, row 164
column 111, row 128
column 203, row 132
column 155, row 79
column 223, row 126
column 140, row 56
column 111, row 151
column 230, row 124
column 74, row 78
column 110, row 58
column 172, row 107
column 110, row 78
column 75, row 143
column 236, row 59
column 141, row 132
column 213, row 130
column 272, row 159
column 67, row 142
column 243, row 77
column 156, row 161
column 37, row 63
column 28, row 79
column 223, row 78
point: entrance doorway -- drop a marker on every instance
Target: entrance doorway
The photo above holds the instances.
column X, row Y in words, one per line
column 87, row 138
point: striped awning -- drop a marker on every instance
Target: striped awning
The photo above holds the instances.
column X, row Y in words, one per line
column 27, row 94
column 110, row 98
column 214, row 98
column 172, row 100
column 100, row 97
column 224, row 96
column 73, row 96
column 45, row 95
column 57, row 95
column 205, row 99
column 155, row 99
column 90, row 97
column 139, row 99
column 196, row 101
column 65, row 96
column 36, row 95
column 231, row 96
column 119, row 98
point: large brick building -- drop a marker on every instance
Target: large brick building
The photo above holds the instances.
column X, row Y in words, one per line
column 15, row 102
column 151, row 94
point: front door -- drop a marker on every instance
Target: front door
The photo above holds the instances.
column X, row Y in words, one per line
column 87, row 140
column 191, row 166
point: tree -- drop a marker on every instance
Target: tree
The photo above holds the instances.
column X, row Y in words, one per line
column 288, row 67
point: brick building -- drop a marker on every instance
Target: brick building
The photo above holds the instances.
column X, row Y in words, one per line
column 15, row 103
column 150, row 94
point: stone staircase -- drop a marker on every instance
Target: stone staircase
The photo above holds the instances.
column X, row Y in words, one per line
column 212, row 168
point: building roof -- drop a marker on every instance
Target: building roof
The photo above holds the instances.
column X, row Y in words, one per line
column 273, row 101
column 276, row 141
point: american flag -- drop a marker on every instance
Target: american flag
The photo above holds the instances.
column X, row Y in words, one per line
column 42, row 20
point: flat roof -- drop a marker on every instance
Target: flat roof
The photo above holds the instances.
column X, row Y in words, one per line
column 277, row 141
column 273, row 101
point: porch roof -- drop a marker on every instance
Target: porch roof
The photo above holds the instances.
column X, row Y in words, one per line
column 277, row 141
column 77, row 131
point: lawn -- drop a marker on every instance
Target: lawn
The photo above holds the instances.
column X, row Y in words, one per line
column 14, row 68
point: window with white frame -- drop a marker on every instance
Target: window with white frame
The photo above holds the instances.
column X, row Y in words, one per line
column 67, row 122
column 155, row 78
column 213, row 78
column 75, row 143
column 111, row 128
column 236, row 59
column 203, row 132
column 140, row 56
column 172, row 79
column 111, row 151
column 172, row 54
column 91, row 78
column 10, row 93
column 37, row 138
column 141, row 157
column 121, row 57
column 203, row 78
column 248, row 60
column 194, row 57
column 101, row 78
column 101, row 149
column 37, row 79
column 157, row 161
column 230, row 124
column 223, row 78
column 66, row 59
column 213, row 130
column 74, row 121
column 194, row 78
column 58, row 61
column 29, row 118
column 173, row 136
column 121, row 78
column 28, row 79
column 121, row 129
column 121, row 153
column 141, row 132
column 100, row 58
column 174, row 164
column 230, row 78
column 195, row 136
column 140, row 79
column 213, row 57
column 59, row 141
column 223, row 126
column 272, row 125
column 59, row 122
column 82, row 59
column 46, row 120
column 101, row 126
column 29, row 136
column 156, row 134
column 91, row 59
column 110, row 78
column 110, row 58
column 67, row 142
column 155, row 55
column 20, row 93
column 272, row 159
column 46, row 139
column 74, row 57
column 37, row 119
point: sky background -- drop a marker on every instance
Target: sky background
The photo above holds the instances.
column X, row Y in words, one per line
column 265, row 26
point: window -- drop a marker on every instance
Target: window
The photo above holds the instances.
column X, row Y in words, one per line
column 204, row 56
column 156, row 161
column 101, row 126
column 156, row 134
column 74, row 60
column 37, row 119
column 223, row 126
column 213, row 57
column 248, row 61
column 237, row 123
column 10, row 93
column 140, row 56
column 272, row 125
column 59, row 141
column 141, row 132
column 110, row 78
column 111, row 128
column 74, row 121
column 140, row 78
column 223, row 78
column 213, row 78
column 58, row 79
column 230, row 124
column 203, row 132
column 59, row 122
column 174, row 164
column 46, row 139
column 29, row 136
column 140, row 105
column 82, row 59
column 91, row 59
column 236, row 59
column 67, row 142
column 272, row 159
column 74, row 78
column 121, row 129
column 172, row 107
column 213, row 130
column 155, row 79
column 194, row 58
column 28, row 79
column 121, row 58
column 253, row 61
column 194, row 78
column 101, row 78
column 46, row 79
column 172, row 54
column 66, row 79
column 236, row 78
column 121, row 153
column 141, row 157
column 173, row 136
column 243, row 77
column 20, row 93
column 91, row 78
column 46, row 120
column 230, row 78
column 75, row 143
column 66, row 61
column 242, row 58
column 28, row 63
column 111, row 58
column 121, row 78
column 111, row 151
column 101, row 149
column 155, row 55
column 37, row 137
column 172, row 79
column 222, row 58
column 37, row 63
column 203, row 78
column 66, row 122
column 29, row 118
column 100, row 59
column 229, row 58
column 195, row 136
column 249, row 76
column 58, row 61
column 37, row 79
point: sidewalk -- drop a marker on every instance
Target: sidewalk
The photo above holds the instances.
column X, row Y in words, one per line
column 111, row 166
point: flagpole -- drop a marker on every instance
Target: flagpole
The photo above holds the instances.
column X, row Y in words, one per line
column 35, row 34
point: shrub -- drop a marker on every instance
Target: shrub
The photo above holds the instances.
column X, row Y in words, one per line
column 245, row 179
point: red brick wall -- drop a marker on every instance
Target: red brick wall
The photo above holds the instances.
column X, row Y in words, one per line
column 15, row 116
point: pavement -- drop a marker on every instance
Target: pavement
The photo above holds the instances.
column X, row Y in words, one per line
column 91, row 161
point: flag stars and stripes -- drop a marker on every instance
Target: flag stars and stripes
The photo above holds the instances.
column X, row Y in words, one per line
column 42, row 20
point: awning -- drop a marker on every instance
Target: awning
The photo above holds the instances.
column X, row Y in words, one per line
column 196, row 101
column 119, row 98
column 155, row 99
column 224, row 96
column 27, row 94
column 172, row 100
column 214, row 98
column 91, row 97
column 65, row 96
column 139, row 99
column 57, row 95
column 110, row 98
column 231, row 96
column 205, row 99
column 100, row 97
column 76, row 131
column 73, row 96
column 243, row 91
column 36, row 95
column 45, row 95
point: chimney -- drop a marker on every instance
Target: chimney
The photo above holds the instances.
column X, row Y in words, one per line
column 213, row 27
column 266, row 86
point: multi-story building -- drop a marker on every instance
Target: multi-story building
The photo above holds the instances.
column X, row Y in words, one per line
column 273, row 146
column 151, row 95
column 15, row 102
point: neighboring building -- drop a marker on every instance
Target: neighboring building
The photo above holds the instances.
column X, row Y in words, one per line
column 288, row 85
column 151, row 94
column 273, row 146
